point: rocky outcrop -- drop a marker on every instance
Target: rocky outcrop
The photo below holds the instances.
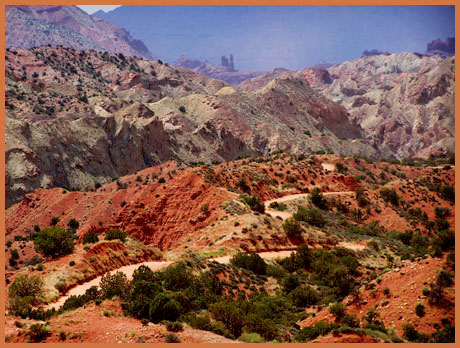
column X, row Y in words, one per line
column 403, row 102
column 446, row 46
column 38, row 25
column 225, row 72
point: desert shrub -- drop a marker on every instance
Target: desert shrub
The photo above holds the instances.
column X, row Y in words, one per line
column 172, row 338
column 176, row 277
column 161, row 180
column 292, row 228
column 38, row 332
column 335, row 269
column 412, row 335
column 228, row 313
column 254, row 202
column 243, row 185
column 312, row 216
column 54, row 241
column 251, row 338
column 116, row 284
column 252, row 262
column 420, row 309
column 446, row 239
column 390, row 195
column 444, row 278
column 338, row 310
column 173, row 326
column 278, row 206
column 60, row 286
column 162, row 307
column 27, row 286
column 442, row 212
column 115, row 234
column 441, row 224
column 14, row 256
column 182, row 109
column 62, row 336
column 447, row 334
column 73, row 224
column 289, row 283
column 448, row 193
column 90, row 237
column 350, row 320
column 54, row 220
column 305, row 296
column 341, row 168
column 309, row 333
column 318, row 199
column 361, row 197
column 205, row 208
column 34, row 260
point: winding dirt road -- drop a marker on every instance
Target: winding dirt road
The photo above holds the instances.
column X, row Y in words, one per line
column 159, row 265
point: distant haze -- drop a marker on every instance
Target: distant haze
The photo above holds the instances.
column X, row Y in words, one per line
column 293, row 37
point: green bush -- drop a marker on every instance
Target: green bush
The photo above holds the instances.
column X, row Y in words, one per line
column 114, row 285
column 173, row 326
column 38, row 332
column 292, row 228
column 176, row 277
column 318, row 199
column 228, row 313
column 420, row 309
column 289, row 283
column 254, row 202
column 338, row 310
column 305, row 296
column 251, row 338
column 163, row 307
column 26, row 291
column 115, row 234
column 448, row 193
column 90, row 237
column 73, row 224
column 312, row 216
column 172, row 338
column 444, row 278
column 252, row 262
column 390, row 195
column 54, row 241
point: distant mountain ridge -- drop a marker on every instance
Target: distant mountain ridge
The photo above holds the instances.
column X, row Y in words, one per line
column 38, row 25
column 225, row 73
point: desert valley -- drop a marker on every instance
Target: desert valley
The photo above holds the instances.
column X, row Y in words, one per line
column 155, row 202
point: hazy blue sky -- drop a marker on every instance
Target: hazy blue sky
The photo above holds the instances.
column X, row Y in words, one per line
column 294, row 37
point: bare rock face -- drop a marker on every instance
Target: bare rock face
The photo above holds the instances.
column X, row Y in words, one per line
column 38, row 25
column 403, row 102
column 75, row 118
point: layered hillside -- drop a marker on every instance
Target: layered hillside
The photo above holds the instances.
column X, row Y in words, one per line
column 38, row 25
column 75, row 118
column 403, row 102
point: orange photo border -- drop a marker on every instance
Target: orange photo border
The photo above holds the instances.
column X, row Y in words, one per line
column 190, row 2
